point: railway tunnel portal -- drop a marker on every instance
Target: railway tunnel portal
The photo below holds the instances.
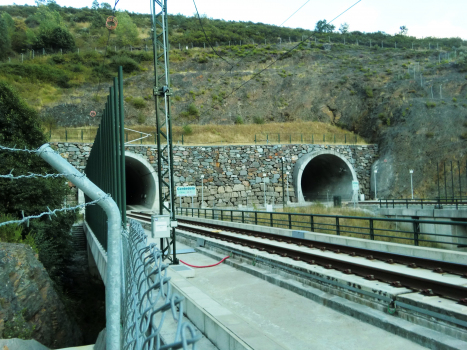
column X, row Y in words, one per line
column 320, row 175
column 142, row 184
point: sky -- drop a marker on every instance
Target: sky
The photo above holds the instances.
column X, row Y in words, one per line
column 423, row 18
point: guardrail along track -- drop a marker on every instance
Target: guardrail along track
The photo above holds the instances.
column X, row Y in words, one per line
column 396, row 279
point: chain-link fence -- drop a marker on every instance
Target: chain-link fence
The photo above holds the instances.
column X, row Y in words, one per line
column 148, row 299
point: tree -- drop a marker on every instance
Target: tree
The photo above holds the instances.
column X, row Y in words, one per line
column 324, row 27
column 126, row 31
column 106, row 6
column 344, row 28
column 404, row 30
column 95, row 5
column 5, row 38
column 20, row 128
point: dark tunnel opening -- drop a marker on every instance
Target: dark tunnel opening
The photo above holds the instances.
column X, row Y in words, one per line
column 326, row 176
column 140, row 185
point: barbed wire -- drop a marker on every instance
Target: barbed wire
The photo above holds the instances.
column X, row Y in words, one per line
column 52, row 212
column 32, row 175
column 14, row 149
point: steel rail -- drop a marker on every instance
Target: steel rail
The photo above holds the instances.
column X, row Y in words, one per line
column 390, row 258
column 395, row 279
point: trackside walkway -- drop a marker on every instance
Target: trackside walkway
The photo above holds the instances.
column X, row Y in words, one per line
column 268, row 316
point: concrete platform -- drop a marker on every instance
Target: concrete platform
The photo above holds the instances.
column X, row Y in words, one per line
column 241, row 311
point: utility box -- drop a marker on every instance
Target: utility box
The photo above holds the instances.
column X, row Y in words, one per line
column 160, row 226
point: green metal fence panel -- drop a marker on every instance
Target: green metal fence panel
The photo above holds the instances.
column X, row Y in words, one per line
column 106, row 163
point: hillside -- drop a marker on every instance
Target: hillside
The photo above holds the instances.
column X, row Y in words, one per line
column 412, row 102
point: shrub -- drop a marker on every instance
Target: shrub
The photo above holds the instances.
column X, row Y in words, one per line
column 141, row 118
column 454, row 99
column 369, row 92
column 430, row 104
column 238, row 120
column 381, row 116
column 138, row 102
column 430, row 134
column 10, row 233
column 34, row 72
column 17, row 327
column 258, row 120
column 192, row 110
column 187, row 130
column 128, row 64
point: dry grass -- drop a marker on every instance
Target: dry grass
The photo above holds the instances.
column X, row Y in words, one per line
column 229, row 134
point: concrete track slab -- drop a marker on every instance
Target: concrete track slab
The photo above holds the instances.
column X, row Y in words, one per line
column 289, row 320
column 403, row 269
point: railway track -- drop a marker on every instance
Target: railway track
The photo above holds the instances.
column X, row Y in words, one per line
column 430, row 286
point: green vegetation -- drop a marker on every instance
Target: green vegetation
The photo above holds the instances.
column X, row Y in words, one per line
column 258, row 120
column 138, row 102
column 430, row 104
column 369, row 92
column 21, row 127
column 187, row 130
column 17, row 327
column 238, row 120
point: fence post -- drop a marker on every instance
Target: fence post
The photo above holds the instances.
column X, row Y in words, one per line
column 243, row 217
column 81, row 134
column 290, row 140
column 255, row 139
column 182, row 139
column 231, row 216
column 324, row 137
column 66, row 134
column 312, row 223
column 141, row 138
column 270, row 219
column 256, row 218
column 338, row 228
column 372, row 232
column 222, row 215
column 312, row 139
column 290, row 221
column 416, row 231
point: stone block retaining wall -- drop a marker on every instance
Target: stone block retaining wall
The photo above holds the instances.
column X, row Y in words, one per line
column 233, row 174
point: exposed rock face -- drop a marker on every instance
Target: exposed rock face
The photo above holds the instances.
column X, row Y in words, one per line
column 26, row 288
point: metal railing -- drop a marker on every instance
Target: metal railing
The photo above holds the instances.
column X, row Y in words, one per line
column 148, row 299
column 437, row 202
column 281, row 138
column 406, row 231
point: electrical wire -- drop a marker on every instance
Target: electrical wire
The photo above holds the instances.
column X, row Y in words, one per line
column 280, row 25
column 281, row 56
column 202, row 267
column 207, row 39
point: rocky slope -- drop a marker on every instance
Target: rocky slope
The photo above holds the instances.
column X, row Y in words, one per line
column 29, row 305
column 411, row 103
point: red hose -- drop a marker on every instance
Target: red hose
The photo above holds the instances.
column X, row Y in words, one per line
column 202, row 267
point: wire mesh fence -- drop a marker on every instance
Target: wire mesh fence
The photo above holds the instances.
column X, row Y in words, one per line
column 148, row 299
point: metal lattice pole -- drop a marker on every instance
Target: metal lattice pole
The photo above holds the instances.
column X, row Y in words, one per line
column 163, row 119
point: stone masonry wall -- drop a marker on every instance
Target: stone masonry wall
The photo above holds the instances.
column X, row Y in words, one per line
column 234, row 173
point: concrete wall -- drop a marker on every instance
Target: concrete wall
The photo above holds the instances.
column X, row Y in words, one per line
column 230, row 171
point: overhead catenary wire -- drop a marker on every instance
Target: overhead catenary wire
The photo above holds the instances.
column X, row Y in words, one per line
column 281, row 56
column 280, row 25
column 284, row 54
column 207, row 39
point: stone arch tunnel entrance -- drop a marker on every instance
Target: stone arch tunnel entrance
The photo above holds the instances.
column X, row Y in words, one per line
column 323, row 174
column 141, row 183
